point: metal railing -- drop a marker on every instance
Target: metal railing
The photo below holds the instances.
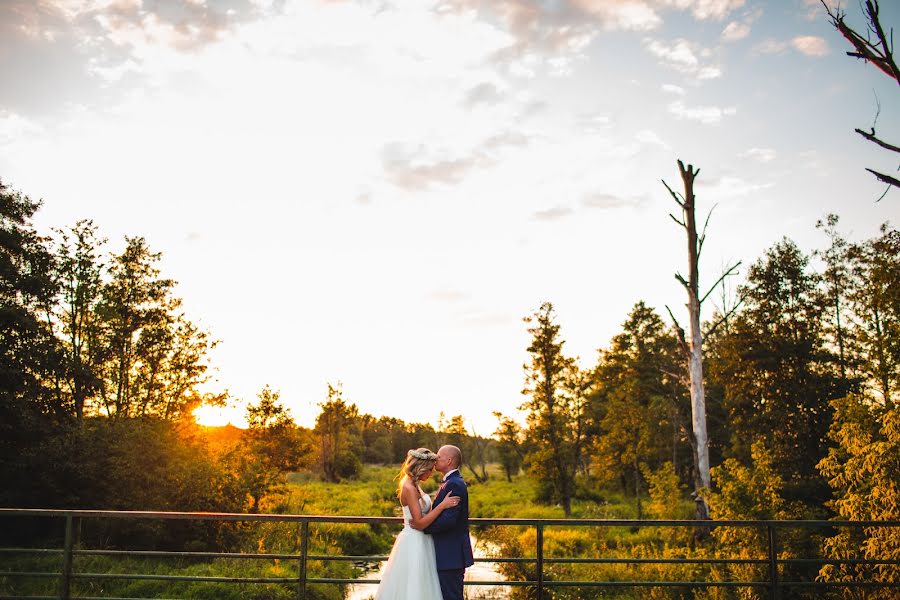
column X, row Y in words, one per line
column 772, row 564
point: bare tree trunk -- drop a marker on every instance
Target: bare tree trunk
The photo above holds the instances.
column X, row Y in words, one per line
column 694, row 347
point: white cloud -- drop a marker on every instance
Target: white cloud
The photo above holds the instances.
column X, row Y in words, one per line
column 810, row 45
column 763, row 155
column 735, row 31
column 709, row 115
column 14, row 127
column 681, row 55
column 770, row 46
column 730, row 187
column 673, row 89
column 706, row 9
column 650, row 138
column 633, row 15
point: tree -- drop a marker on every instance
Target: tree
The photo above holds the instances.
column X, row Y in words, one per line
column 30, row 358
column 863, row 469
column 777, row 375
column 28, row 351
column 874, row 298
column 837, row 282
column 555, row 409
column 694, row 348
column 875, row 48
column 634, row 402
column 270, row 447
column 79, row 271
column 134, row 312
column 154, row 357
column 510, row 445
column 336, row 427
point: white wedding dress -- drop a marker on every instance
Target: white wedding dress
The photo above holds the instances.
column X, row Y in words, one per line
column 411, row 571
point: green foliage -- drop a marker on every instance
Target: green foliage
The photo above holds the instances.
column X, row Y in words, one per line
column 555, row 410
column 863, row 469
column 338, row 436
column 636, row 405
column 776, row 373
column 271, row 446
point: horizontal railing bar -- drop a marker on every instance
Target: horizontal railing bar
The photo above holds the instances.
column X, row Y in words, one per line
column 181, row 554
column 827, row 584
column 137, row 514
column 150, row 577
column 31, row 551
column 27, row 574
column 656, row 583
column 374, row 581
column 836, row 561
column 114, row 598
column 701, row 561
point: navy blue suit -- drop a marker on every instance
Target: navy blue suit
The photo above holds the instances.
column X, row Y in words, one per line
column 450, row 531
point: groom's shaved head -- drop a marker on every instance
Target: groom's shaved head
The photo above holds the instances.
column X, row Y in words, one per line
column 454, row 454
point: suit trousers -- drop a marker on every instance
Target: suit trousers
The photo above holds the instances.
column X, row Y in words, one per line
column 451, row 583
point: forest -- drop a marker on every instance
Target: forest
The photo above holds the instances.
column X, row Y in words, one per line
column 102, row 369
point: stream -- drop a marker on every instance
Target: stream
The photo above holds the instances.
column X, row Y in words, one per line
column 481, row 571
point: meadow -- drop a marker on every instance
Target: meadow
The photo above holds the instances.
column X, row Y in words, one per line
column 372, row 494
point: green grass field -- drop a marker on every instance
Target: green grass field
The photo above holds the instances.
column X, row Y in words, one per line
column 373, row 494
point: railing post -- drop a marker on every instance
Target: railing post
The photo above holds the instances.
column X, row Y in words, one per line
column 66, row 575
column 304, row 553
column 775, row 592
column 540, row 561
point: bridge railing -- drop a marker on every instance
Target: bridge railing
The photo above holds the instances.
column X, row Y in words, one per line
column 539, row 566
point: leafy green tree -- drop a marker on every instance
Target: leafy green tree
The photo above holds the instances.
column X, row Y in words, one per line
column 29, row 357
column 555, row 409
column 874, row 299
column 776, row 373
column 510, row 445
column 271, row 446
column 155, row 357
column 863, row 469
column 134, row 311
column 634, row 401
column 79, row 271
column 337, row 431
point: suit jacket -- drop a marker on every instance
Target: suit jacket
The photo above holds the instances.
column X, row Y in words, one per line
column 450, row 531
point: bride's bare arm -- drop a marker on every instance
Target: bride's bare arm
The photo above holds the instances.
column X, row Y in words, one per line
column 410, row 497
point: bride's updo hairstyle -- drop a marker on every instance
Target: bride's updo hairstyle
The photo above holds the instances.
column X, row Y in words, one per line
column 417, row 463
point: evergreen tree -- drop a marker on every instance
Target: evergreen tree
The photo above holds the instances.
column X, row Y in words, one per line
column 555, row 410
column 776, row 373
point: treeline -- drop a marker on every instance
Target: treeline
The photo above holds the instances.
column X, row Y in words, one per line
column 100, row 371
column 802, row 372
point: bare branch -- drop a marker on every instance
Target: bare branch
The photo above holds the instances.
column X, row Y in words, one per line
column 725, row 317
column 720, row 280
column 682, row 341
column 683, row 281
column 675, row 195
column 871, row 137
column 882, row 57
column 885, row 178
column 886, row 51
column 677, row 220
column 702, row 237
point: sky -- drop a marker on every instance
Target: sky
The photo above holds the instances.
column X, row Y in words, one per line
column 377, row 193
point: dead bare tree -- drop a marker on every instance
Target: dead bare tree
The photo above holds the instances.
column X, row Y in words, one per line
column 876, row 48
column 693, row 348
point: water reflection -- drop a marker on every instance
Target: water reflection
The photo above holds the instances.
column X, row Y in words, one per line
column 481, row 571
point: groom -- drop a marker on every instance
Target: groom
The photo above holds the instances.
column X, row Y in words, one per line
column 450, row 531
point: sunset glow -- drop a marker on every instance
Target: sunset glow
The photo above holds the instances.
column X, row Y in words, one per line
column 376, row 193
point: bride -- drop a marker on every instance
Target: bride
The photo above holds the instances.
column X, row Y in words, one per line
column 411, row 571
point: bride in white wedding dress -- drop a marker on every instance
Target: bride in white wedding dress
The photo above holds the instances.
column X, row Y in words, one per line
column 411, row 571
